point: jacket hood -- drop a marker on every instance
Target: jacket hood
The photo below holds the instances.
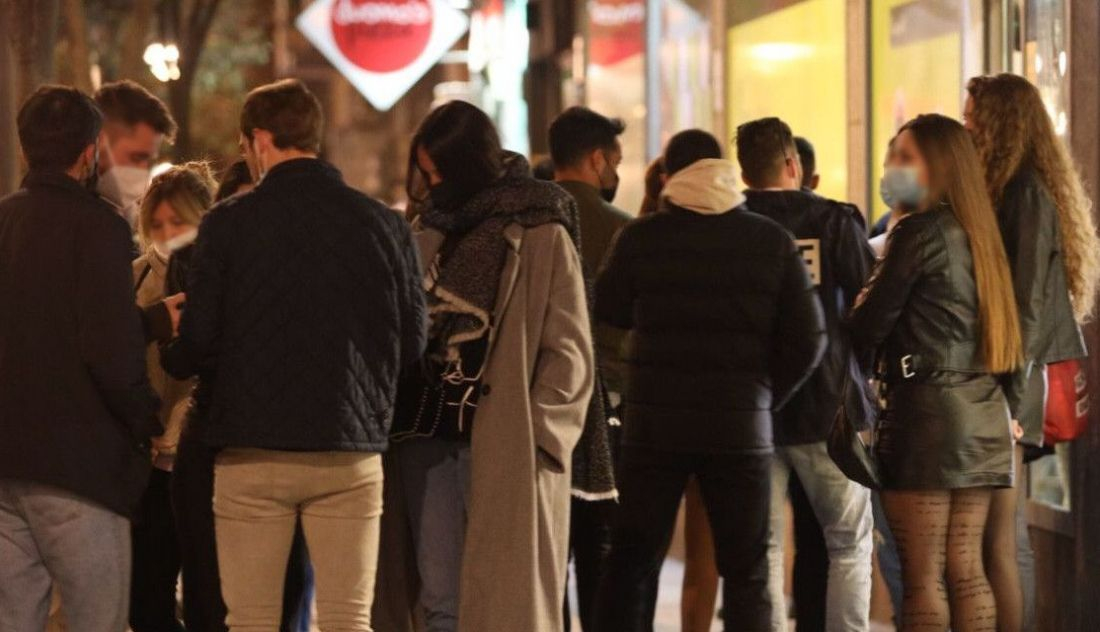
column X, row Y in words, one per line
column 708, row 187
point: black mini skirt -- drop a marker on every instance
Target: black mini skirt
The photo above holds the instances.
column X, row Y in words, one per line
column 945, row 430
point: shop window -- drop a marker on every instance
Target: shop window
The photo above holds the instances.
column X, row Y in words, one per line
column 922, row 53
column 787, row 59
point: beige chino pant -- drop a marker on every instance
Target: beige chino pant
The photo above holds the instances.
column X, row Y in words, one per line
column 259, row 495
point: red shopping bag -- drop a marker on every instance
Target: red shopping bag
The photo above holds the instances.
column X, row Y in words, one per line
column 1067, row 411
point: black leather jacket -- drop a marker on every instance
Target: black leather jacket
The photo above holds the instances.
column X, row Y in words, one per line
column 1032, row 236
column 919, row 311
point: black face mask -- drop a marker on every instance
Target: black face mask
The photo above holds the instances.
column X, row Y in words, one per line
column 609, row 183
column 608, row 194
column 446, row 197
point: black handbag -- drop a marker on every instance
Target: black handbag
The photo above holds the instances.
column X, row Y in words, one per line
column 859, row 410
column 437, row 399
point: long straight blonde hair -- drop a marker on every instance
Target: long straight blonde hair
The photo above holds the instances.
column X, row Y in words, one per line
column 1012, row 131
column 956, row 177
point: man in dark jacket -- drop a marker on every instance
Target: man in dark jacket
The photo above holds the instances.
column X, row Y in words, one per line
column 838, row 258
column 585, row 149
column 76, row 409
column 725, row 326
column 304, row 302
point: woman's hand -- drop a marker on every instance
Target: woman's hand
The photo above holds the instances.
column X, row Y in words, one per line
column 174, row 304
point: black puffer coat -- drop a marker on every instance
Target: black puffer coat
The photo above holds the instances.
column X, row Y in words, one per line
column 304, row 301
column 834, row 246
column 724, row 323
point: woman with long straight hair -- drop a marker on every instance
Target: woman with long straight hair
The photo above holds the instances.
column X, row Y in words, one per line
column 940, row 315
column 485, row 427
column 1049, row 234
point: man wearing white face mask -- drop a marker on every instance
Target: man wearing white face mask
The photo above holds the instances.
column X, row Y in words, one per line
column 136, row 124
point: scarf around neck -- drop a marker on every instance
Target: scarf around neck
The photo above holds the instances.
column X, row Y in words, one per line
column 462, row 283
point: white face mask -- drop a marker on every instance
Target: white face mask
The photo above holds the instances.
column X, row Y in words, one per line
column 124, row 185
column 166, row 249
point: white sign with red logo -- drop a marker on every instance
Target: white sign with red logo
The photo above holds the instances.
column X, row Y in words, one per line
column 382, row 47
column 616, row 30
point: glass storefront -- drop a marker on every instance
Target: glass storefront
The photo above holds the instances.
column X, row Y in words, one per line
column 686, row 67
column 922, row 53
column 787, row 59
column 615, row 83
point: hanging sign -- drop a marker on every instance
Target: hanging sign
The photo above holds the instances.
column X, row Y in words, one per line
column 616, row 30
column 383, row 47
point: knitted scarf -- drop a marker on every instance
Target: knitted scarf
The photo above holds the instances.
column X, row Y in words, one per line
column 462, row 290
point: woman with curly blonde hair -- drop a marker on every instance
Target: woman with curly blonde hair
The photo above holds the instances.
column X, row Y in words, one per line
column 1050, row 237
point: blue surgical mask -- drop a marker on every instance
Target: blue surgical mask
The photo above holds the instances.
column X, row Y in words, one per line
column 901, row 187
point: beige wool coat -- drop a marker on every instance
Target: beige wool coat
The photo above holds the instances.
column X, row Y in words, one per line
column 539, row 372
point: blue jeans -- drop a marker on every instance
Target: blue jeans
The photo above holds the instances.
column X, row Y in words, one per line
column 49, row 536
column 435, row 474
column 843, row 510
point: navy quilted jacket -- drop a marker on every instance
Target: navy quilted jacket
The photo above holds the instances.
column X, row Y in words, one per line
column 304, row 301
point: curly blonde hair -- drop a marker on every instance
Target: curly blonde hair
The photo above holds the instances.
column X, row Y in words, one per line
column 189, row 188
column 1012, row 130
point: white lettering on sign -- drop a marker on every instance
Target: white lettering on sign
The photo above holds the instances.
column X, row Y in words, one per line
column 616, row 14
column 405, row 14
column 810, row 249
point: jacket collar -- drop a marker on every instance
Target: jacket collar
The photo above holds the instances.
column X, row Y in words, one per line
column 299, row 167
column 585, row 194
column 763, row 200
column 55, row 179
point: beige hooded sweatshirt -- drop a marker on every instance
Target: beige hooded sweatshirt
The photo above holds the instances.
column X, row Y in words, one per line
column 709, row 186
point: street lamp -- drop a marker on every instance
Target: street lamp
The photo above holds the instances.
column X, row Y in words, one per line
column 163, row 61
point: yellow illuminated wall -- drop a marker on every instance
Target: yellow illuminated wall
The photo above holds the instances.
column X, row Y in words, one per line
column 919, row 76
column 791, row 64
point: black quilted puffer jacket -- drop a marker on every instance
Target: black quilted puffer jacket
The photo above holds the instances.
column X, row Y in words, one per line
column 304, row 301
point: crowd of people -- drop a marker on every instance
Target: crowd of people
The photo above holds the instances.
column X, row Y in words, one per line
column 295, row 399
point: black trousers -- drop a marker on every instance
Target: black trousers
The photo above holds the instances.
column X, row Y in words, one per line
column 811, row 563
column 156, row 560
column 590, row 544
column 193, row 501
column 737, row 493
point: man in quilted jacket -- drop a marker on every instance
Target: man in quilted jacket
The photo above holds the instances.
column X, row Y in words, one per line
column 304, row 303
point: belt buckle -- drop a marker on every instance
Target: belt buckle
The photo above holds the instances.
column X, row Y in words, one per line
column 907, row 367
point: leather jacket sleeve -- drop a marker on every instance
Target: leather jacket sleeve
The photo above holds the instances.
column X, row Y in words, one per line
column 800, row 337
column 853, row 261
column 881, row 302
column 1027, row 226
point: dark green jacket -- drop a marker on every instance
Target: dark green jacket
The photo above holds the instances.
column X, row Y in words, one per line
column 600, row 222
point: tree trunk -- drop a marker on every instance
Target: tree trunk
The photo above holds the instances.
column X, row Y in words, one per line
column 194, row 22
column 179, row 102
column 134, row 37
column 76, row 33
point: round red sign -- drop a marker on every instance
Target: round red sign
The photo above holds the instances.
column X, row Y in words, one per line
column 382, row 35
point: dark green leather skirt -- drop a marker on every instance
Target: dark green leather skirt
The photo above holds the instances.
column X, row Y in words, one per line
column 945, row 430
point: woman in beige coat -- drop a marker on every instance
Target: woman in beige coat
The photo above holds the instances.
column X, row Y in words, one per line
column 477, row 507
column 169, row 217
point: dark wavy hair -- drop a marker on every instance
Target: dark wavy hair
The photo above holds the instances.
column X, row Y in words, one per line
column 464, row 145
